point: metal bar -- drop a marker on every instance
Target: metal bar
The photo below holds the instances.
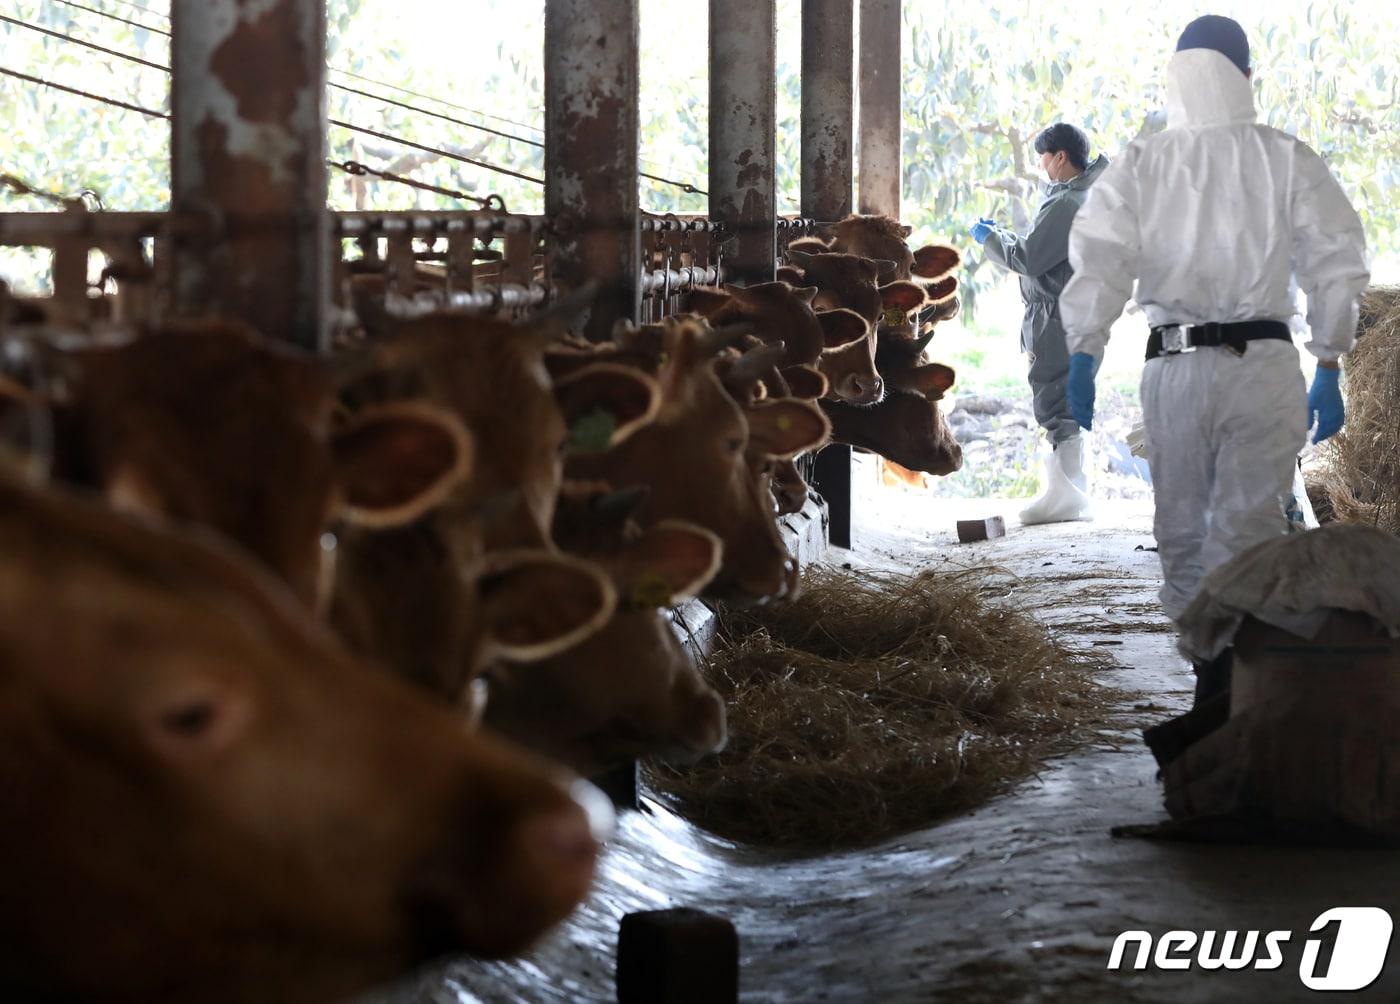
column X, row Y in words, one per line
column 248, row 142
column 487, row 299
column 828, row 110
column 743, row 121
column 42, row 229
column 591, row 132
column 657, row 281
column 880, row 136
column 828, row 58
column 357, row 223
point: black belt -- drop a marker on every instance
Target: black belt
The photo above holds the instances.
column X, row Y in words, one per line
column 1171, row 339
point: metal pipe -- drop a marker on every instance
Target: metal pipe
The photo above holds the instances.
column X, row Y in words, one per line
column 591, row 134
column 664, row 282
column 434, row 224
column 828, row 30
column 743, row 121
column 248, row 140
column 828, row 112
column 880, row 113
column 40, row 229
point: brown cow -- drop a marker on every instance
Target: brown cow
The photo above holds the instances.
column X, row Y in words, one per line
column 206, row 799
column 630, row 690
column 905, row 427
column 692, row 457
column 203, row 422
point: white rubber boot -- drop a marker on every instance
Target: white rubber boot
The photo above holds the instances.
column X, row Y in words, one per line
column 1066, row 494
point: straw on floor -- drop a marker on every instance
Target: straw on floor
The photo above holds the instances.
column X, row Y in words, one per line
column 875, row 704
column 1361, row 464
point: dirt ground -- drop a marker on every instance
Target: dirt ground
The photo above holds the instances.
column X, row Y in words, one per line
column 1018, row 901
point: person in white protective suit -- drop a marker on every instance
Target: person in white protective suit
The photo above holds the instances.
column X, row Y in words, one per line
column 1041, row 259
column 1212, row 218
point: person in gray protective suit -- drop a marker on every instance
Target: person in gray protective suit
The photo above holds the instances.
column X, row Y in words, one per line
column 1041, row 259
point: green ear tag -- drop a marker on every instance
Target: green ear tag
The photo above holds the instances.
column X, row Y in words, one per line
column 650, row 590
column 592, row 433
column 894, row 317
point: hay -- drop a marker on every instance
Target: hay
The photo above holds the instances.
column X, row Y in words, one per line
column 1361, row 464
column 872, row 705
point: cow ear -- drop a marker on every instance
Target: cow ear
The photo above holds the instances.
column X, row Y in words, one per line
column 536, row 604
column 946, row 311
column 944, row 289
column 902, row 295
column 706, row 300
column 805, row 381
column 932, row 380
column 394, row 462
column 790, row 274
column 842, row 327
column 935, row 260
column 805, row 293
column 906, row 231
column 672, row 561
column 786, row 427
column 604, row 403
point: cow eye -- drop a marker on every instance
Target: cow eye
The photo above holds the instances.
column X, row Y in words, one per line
column 734, row 444
column 189, row 720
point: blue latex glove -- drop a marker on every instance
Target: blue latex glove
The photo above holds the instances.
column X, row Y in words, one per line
column 1082, row 369
column 982, row 229
column 1325, row 408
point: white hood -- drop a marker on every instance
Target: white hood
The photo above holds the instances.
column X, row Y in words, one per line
column 1205, row 89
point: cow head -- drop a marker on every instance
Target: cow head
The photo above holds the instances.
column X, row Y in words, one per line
column 848, row 361
column 205, row 423
column 776, row 311
column 845, row 280
column 906, row 427
column 692, row 459
column 629, row 690
column 207, row 799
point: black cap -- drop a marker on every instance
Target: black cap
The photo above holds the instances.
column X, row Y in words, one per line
column 1222, row 34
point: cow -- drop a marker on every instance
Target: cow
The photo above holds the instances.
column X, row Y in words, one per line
column 693, row 459
column 905, row 427
column 206, row 423
column 205, row 798
column 629, row 690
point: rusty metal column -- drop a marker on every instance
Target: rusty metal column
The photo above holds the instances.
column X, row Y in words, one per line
column 880, row 92
column 828, row 112
column 590, row 152
column 743, row 121
column 248, row 147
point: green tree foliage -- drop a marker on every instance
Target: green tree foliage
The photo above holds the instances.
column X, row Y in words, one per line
column 978, row 87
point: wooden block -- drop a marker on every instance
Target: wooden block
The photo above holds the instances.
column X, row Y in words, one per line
column 970, row 530
column 622, row 785
column 680, row 956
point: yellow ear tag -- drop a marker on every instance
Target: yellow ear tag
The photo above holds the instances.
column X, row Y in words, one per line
column 894, row 317
column 650, row 590
column 592, row 433
column 784, row 423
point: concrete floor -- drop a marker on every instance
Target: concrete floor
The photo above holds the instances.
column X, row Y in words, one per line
column 1018, row 901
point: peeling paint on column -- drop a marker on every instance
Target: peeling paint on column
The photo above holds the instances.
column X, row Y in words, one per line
column 743, row 189
column 248, row 145
column 881, row 83
column 591, row 136
column 828, row 110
